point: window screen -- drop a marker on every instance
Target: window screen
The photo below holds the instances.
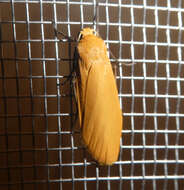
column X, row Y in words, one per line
column 39, row 146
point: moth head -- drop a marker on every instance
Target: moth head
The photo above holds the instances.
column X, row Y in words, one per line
column 86, row 31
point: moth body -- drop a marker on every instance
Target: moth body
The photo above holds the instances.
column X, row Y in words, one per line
column 100, row 116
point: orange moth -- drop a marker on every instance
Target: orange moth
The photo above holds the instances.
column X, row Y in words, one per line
column 100, row 116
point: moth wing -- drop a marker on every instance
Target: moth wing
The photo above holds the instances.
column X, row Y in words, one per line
column 102, row 118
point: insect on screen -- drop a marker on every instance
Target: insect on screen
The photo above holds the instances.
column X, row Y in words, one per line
column 40, row 148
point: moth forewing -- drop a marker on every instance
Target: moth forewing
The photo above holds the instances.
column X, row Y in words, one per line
column 97, row 97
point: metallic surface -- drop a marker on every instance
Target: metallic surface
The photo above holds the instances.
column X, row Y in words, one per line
column 38, row 148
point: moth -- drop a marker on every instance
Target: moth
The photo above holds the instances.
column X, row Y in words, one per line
column 99, row 112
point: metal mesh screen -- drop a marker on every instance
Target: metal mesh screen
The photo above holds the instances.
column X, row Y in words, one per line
column 38, row 149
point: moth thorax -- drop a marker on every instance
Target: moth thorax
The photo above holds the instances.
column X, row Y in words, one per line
column 87, row 31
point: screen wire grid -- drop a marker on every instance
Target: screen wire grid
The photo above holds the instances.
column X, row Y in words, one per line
column 38, row 149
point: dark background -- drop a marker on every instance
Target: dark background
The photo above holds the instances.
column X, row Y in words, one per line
column 37, row 148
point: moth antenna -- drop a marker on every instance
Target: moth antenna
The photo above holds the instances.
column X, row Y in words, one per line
column 66, row 38
column 96, row 17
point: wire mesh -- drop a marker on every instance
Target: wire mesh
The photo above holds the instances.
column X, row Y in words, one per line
column 37, row 146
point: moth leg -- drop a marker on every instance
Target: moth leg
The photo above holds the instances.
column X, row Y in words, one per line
column 75, row 95
column 75, row 87
column 69, row 40
column 72, row 76
column 126, row 64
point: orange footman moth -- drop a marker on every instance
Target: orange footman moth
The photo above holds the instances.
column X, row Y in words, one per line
column 99, row 113
column 100, row 116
